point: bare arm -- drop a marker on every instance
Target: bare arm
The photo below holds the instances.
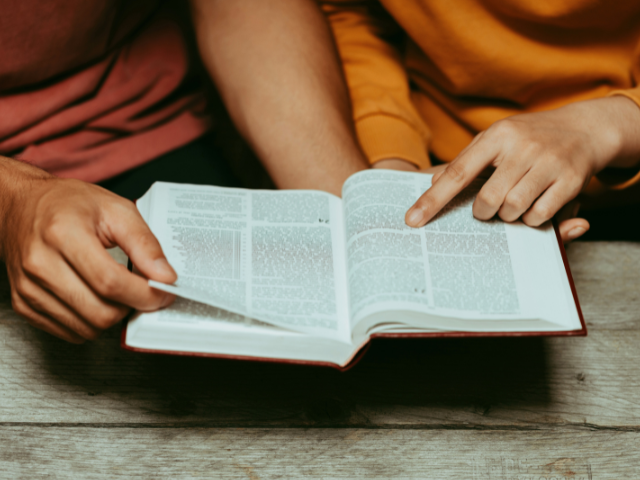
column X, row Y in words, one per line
column 275, row 65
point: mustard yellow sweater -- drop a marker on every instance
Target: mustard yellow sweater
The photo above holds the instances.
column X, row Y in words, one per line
column 427, row 75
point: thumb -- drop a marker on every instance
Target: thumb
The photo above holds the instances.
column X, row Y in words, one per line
column 572, row 228
column 130, row 232
column 569, row 226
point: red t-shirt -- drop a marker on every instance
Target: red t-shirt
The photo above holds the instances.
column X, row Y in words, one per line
column 91, row 89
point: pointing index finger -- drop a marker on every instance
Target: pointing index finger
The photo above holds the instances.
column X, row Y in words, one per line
column 458, row 175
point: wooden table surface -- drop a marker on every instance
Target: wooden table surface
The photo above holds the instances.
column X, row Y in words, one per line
column 526, row 409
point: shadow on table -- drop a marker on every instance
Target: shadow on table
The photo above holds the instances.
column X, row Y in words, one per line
column 398, row 381
column 410, row 381
column 613, row 224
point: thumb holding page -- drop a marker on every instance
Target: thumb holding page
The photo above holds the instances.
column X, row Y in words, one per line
column 132, row 234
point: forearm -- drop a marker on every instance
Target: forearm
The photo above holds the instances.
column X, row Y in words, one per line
column 275, row 66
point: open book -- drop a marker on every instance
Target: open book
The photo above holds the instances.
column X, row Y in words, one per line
column 304, row 276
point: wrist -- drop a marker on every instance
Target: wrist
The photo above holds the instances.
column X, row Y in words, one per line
column 623, row 136
column 16, row 180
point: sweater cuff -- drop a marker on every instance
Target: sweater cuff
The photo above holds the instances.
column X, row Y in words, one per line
column 609, row 180
column 631, row 94
column 385, row 136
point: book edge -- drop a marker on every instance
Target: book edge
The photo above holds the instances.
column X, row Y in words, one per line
column 181, row 353
column 572, row 285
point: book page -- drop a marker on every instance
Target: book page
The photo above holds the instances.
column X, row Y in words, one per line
column 274, row 256
column 188, row 326
column 455, row 266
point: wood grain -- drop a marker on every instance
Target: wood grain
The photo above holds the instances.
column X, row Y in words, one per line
column 91, row 453
column 464, row 383
column 607, row 277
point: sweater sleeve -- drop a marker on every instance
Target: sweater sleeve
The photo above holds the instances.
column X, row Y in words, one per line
column 387, row 123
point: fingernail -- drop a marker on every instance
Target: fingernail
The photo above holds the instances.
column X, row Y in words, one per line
column 576, row 232
column 414, row 219
column 163, row 267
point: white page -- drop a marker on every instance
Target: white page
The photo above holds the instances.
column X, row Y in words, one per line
column 456, row 266
column 514, row 271
column 184, row 312
column 188, row 326
column 543, row 284
column 272, row 256
column 385, row 258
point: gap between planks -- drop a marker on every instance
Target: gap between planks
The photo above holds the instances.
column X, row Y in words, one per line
column 234, row 426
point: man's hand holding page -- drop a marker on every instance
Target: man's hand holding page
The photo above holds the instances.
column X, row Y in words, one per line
column 542, row 161
column 53, row 242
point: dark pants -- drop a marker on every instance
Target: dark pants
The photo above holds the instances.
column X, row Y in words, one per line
column 613, row 224
column 198, row 162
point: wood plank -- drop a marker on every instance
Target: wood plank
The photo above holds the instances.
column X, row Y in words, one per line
column 94, row 453
column 450, row 383
column 607, row 277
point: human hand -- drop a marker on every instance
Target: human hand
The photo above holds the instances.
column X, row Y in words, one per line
column 53, row 239
column 566, row 217
column 541, row 160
